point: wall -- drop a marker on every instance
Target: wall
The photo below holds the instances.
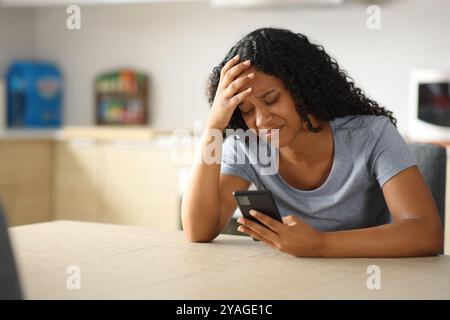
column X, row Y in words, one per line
column 178, row 44
column 17, row 38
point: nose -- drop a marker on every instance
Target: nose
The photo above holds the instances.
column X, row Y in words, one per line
column 263, row 117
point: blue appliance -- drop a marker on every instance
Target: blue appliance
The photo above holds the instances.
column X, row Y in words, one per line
column 34, row 95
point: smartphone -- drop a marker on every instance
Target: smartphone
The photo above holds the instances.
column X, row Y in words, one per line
column 261, row 201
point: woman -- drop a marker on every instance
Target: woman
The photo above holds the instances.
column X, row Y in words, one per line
column 346, row 183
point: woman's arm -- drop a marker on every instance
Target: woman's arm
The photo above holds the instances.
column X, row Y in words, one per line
column 207, row 203
column 199, row 213
column 416, row 229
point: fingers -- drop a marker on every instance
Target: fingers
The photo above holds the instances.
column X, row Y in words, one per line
column 272, row 224
column 261, row 230
column 231, row 74
column 237, row 99
column 256, row 235
column 228, row 65
column 237, row 84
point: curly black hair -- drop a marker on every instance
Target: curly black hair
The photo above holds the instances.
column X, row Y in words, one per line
column 317, row 85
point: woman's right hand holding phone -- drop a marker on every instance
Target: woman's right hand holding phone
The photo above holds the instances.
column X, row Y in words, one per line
column 229, row 95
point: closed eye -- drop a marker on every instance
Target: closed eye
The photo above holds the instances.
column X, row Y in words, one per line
column 271, row 102
column 268, row 103
column 274, row 99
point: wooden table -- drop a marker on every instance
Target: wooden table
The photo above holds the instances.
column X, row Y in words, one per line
column 123, row 262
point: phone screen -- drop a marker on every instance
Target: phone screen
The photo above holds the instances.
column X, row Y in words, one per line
column 261, row 201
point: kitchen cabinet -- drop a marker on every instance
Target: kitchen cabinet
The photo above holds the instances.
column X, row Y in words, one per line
column 88, row 174
column 75, row 180
column 138, row 185
column 130, row 181
column 25, row 175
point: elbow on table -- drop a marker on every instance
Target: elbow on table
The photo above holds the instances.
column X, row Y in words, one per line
column 434, row 243
column 197, row 238
column 437, row 246
column 197, row 233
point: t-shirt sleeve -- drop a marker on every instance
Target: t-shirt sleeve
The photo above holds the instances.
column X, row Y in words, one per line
column 233, row 163
column 387, row 153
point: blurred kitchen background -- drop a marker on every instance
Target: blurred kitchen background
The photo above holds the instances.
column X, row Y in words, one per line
column 136, row 71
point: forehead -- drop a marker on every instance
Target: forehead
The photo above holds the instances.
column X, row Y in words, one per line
column 262, row 81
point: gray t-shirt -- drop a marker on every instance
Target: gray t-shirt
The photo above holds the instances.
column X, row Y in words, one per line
column 369, row 150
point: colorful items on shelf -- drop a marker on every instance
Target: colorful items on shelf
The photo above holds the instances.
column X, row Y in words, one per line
column 121, row 98
column 34, row 95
